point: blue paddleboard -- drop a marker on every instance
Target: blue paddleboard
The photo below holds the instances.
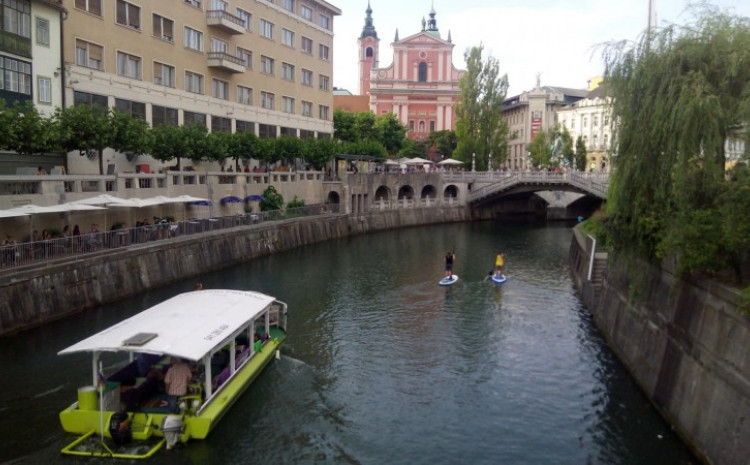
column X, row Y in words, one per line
column 448, row 281
column 499, row 279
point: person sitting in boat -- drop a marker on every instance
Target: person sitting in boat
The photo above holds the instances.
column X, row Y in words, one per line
column 499, row 263
column 449, row 257
column 176, row 382
column 119, row 427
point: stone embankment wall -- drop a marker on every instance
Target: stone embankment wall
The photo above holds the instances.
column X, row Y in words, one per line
column 686, row 346
column 33, row 296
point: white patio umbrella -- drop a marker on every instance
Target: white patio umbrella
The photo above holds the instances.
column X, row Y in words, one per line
column 32, row 210
column 450, row 161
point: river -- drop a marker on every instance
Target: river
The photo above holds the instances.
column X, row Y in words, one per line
column 384, row 366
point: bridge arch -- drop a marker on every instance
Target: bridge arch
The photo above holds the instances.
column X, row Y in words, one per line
column 333, row 198
column 429, row 192
column 382, row 193
column 406, row 193
column 450, row 192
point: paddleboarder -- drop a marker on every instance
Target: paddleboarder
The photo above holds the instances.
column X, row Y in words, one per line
column 449, row 257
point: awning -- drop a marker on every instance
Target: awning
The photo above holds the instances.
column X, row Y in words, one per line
column 230, row 199
column 254, row 198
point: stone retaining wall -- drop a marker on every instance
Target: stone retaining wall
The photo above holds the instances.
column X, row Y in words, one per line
column 685, row 344
column 33, row 296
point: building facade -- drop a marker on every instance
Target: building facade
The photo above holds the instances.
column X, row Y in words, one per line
column 264, row 66
column 531, row 112
column 420, row 87
column 589, row 119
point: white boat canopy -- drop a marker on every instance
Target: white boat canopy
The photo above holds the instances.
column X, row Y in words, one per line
column 188, row 325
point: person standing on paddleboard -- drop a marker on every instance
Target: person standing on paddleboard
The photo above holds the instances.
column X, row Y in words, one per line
column 499, row 262
column 449, row 257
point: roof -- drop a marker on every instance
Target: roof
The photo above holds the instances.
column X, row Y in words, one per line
column 188, row 325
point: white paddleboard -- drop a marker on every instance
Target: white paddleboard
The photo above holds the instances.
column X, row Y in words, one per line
column 499, row 279
column 447, row 281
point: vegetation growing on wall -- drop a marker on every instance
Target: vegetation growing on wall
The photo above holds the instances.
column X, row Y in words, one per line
column 679, row 95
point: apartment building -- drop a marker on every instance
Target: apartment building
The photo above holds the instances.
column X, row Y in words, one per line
column 589, row 118
column 264, row 66
column 531, row 112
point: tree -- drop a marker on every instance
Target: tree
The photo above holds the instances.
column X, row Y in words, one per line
column 678, row 96
column 581, row 155
column 444, row 141
column 390, row 132
column 243, row 145
column 194, row 140
column 86, row 129
column 344, row 125
column 272, row 200
column 7, row 126
column 480, row 128
column 540, row 149
column 130, row 135
column 32, row 133
column 168, row 143
column 288, row 148
column 321, row 151
column 216, row 146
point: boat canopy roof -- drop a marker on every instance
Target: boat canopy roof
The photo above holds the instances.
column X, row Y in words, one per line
column 188, row 325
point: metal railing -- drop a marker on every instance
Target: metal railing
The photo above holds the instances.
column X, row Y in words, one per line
column 93, row 242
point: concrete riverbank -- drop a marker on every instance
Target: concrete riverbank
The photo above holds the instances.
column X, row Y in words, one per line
column 684, row 343
column 34, row 295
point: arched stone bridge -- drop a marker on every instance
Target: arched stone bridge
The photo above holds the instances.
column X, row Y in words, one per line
column 488, row 186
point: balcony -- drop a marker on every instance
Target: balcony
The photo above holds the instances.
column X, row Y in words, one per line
column 227, row 22
column 225, row 62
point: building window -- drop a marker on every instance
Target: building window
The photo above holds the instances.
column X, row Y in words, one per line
column 128, row 65
column 432, row 126
column 246, row 18
column 17, row 17
column 307, row 108
column 287, row 37
column 595, row 121
column 422, row 72
column 219, row 5
column 324, row 52
column 287, row 104
column 129, row 107
column 421, row 126
column 218, row 45
column 219, row 89
column 266, row 29
column 606, row 120
column 128, row 15
column 163, row 28
column 585, row 122
column 307, row 45
column 44, row 89
column 266, row 64
column 324, row 22
column 288, row 5
column 91, row 100
column 287, row 72
column 193, row 82
column 244, row 126
column 324, row 82
column 244, row 95
column 194, row 3
column 193, row 39
column 42, row 31
column 267, row 100
column 266, row 131
column 306, row 12
column 246, row 56
column 411, row 125
column 221, row 124
column 307, row 77
column 164, row 74
column 163, row 116
column 89, row 55
column 368, row 52
column 92, row 6
column 323, row 112
column 190, row 117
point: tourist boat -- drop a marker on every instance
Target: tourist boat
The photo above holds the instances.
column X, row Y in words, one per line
column 226, row 336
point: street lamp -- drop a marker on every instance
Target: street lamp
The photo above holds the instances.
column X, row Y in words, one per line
column 473, row 162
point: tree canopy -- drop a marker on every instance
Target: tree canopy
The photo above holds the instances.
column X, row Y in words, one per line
column 480, row 127
column 679, row 95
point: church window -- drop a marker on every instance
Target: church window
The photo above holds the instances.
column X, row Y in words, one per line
column 368, row 52
column 422, row 72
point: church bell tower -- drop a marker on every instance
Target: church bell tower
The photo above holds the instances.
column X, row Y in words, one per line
column 368, row 52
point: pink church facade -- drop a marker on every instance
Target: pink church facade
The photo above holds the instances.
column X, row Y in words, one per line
column 420, row 87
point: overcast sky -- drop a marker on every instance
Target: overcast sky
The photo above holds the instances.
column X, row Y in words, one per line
column 556, row 38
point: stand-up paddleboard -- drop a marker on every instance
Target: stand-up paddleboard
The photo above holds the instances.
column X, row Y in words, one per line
column 499, row 279
column 447, row 281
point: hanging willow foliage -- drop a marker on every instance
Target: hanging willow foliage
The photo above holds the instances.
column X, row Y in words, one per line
column 677, row 96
